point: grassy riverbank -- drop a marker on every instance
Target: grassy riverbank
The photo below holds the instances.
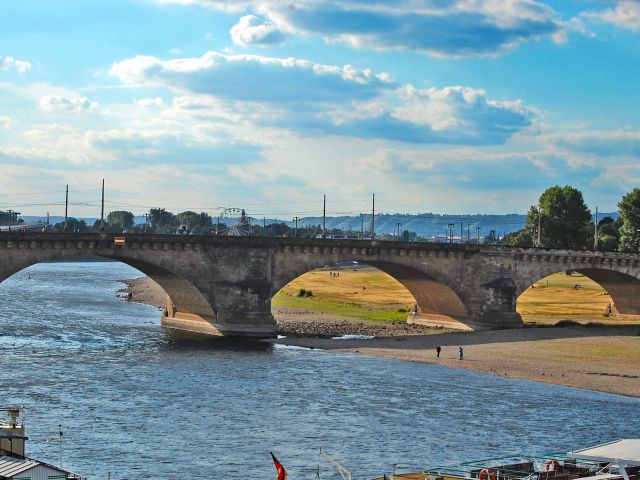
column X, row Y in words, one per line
column 363, row 294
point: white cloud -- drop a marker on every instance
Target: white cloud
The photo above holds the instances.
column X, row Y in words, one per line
column 626, row 14
column 13, row 64
column 5, row 122
column 451, row 28
column 254, row 78
column 156, row 102
column 59, row 103
column 323, row 99
column 616, row 143
column 252, row 30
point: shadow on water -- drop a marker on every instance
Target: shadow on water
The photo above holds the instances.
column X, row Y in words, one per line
column 177, row 340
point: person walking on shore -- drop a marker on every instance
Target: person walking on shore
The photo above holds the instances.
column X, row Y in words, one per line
column 438, row 350
column 461, row 350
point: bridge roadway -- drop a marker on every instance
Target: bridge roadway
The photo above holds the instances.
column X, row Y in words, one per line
column 224, row 285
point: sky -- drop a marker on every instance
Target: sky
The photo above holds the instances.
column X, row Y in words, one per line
column 445, row 106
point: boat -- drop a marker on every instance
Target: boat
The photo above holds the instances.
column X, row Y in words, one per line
column 14, row 463
column 616, row 460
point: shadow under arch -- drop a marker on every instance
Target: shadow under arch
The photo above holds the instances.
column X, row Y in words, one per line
column 182, row 295
column 624, row 289
column 437, row 302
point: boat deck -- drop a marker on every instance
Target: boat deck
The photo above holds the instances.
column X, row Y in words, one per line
column 405, row 476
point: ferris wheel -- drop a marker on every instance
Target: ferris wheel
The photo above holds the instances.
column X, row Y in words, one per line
column 236, row 221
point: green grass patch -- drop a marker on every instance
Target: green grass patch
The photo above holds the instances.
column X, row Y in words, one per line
column 340, row 309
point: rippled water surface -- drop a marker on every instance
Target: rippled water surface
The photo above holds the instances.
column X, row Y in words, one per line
column 137, row 402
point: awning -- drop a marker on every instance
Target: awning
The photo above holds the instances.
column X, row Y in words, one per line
column 627, row 451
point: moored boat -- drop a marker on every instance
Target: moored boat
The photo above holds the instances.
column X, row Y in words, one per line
column 618, row 460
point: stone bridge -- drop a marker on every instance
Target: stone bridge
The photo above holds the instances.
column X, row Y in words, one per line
column 224, row 285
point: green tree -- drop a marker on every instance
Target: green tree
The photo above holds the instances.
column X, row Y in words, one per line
column 198, row 223
column 629, row 209
column 162, row 221
column 565, row 219
column 120, row 219
column 73, row 226
column 609, row 234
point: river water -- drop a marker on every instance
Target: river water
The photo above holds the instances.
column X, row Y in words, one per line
column 140, row 403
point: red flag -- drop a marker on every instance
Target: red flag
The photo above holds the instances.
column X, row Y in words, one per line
column 282, row 473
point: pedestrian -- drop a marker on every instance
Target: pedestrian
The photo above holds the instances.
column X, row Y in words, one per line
column 438, row 350
column 461, row 350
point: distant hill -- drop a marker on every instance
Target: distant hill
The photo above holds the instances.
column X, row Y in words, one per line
column 424, row 224
column 429, row 224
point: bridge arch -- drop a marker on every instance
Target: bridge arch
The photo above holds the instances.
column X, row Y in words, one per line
column 622, row 287
column 182, row 295
column 437, row 297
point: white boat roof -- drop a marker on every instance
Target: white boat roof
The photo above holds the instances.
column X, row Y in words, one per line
column 626, row 451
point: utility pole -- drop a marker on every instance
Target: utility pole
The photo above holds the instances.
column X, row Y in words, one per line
column 478, row 230
column 361, row 227
column 295, row 232
column 373, row 216
column 398, row 227
column 146, row 223
column 10, row 212
column 324, row 216
column 102, row 210
column 595, row 232
column 468, row 232
column 66, row 208
column 461, row 231
column 451, row 225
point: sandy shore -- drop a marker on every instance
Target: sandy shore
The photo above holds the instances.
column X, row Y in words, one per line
column 143, row 290
column 603, row 358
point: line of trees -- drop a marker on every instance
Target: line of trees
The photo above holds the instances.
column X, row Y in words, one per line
column 562, row 220
column 159, row 220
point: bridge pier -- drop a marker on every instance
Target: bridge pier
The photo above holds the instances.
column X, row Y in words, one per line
column 237, row 311
column 251, row 324
column 498, row 309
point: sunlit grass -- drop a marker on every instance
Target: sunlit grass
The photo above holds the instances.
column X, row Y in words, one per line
column 363, row 293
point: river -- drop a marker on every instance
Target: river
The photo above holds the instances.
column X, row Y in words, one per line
column 141, row 403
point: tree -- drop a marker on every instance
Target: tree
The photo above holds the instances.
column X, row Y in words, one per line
column 629, row 209
column 121, row 219
column 609, row 234
column 73, row 225
column 197, row 223
column 565, row 219
column 162, row 221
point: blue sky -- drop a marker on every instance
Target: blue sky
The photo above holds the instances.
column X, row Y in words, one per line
column 450, row 106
